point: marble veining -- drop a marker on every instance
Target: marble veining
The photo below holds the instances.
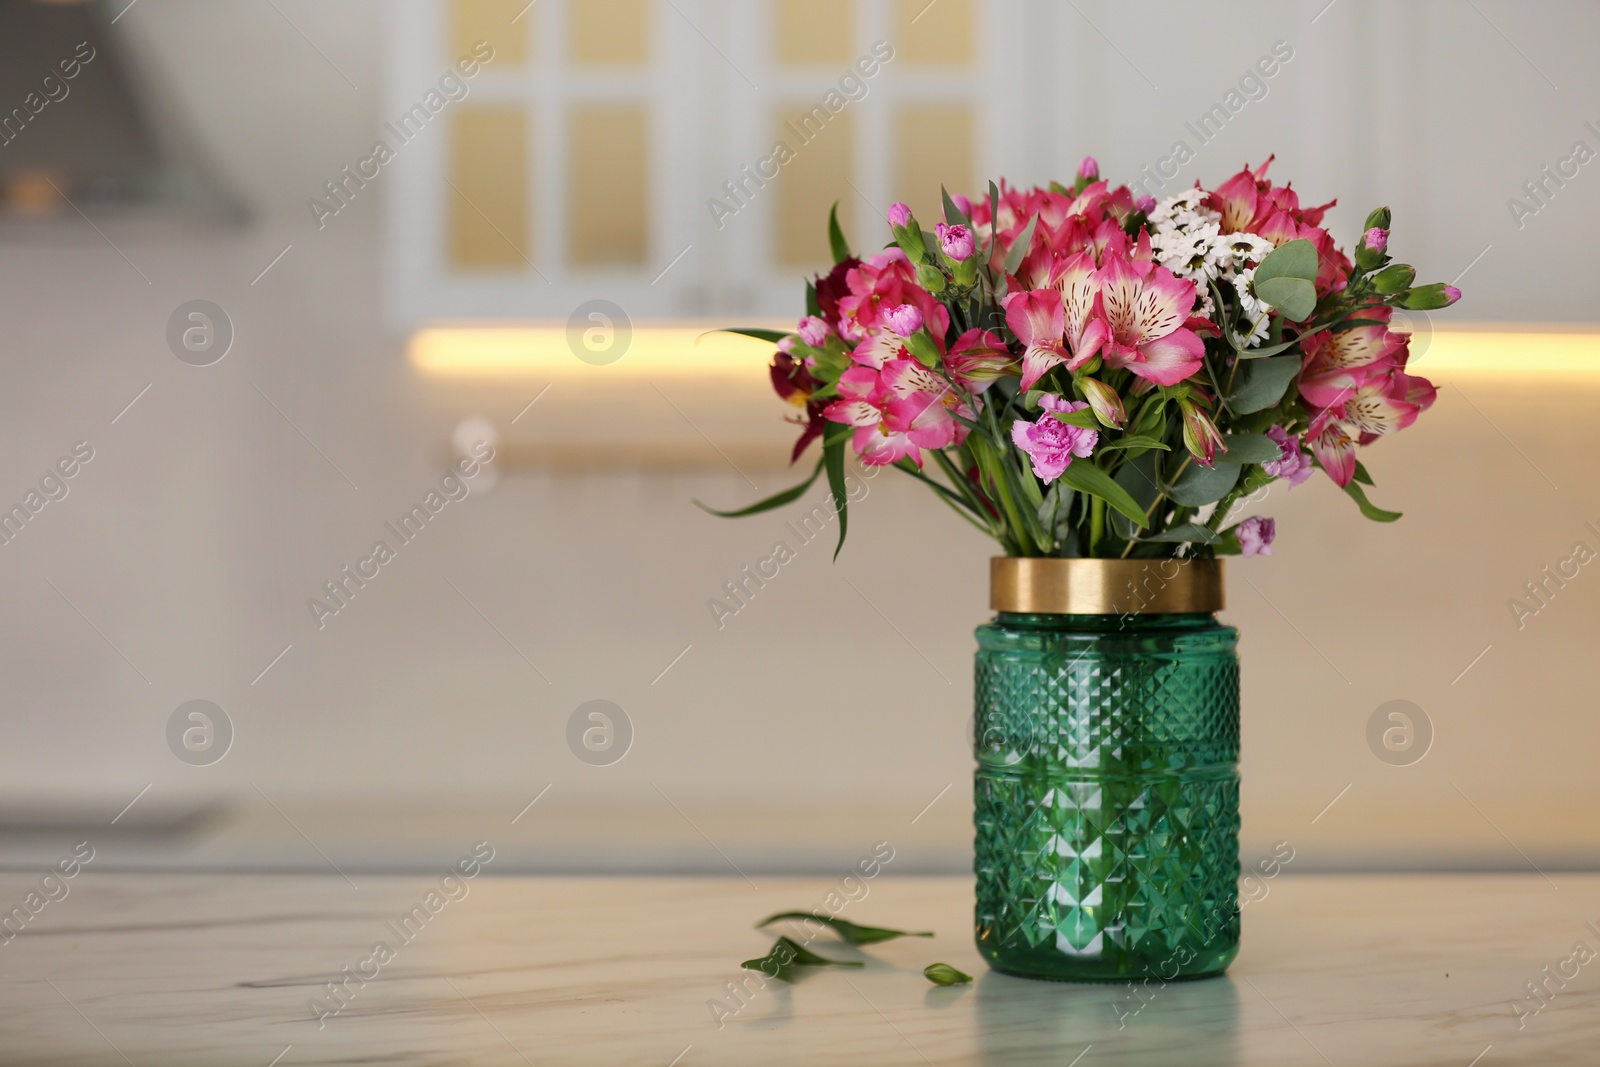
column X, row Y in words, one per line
column 159, row 970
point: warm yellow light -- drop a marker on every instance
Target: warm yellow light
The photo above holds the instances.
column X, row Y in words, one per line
column 491, row 353
column 545, row 352
column 1505, row 353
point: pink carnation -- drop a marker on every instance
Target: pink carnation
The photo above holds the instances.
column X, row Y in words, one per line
column 956, row 241
column 1295, row 465
column 904, row 320
column 899, row 215
column 1256, row 535
column 1050, row 443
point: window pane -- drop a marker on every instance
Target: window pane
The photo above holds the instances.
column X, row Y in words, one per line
column 823, row 147
column 936, row 34
column 607, row 183
column 472, row 21
column 932, row 147
column 813, row 32
column 608, row 32
column 489, row 204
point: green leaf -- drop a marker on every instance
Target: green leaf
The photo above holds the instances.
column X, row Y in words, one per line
column 786, row 955
column 1368, row 509
column 944, row 974
column 1183, row 533
column 1083, row 419
column 836, row 241
column 1141, row 476
column 1295, row 297
column 812, row 306
column 1268, row 350
column 1249, row 448
column 777, row 500
column 1262, row 383
column 760, row 335
column 1361, row 473
column 1134, row 440
column 854, row 933
column 952, row 213
column 1020, row 248
column 1292, row 259
column 1198, row 486
column 1086, row 477
column 833, row 439
column 1055, row 514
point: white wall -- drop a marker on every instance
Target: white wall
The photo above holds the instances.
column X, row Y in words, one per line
column 812, row 724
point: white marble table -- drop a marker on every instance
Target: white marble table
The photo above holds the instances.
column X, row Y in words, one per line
column 167, row 970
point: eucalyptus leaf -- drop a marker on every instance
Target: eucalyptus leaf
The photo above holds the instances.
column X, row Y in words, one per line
column 1055, row 514
column 786, row 955
column 944, row 974
column 1086, row 477
column 1262, row 383
column 854, row 933
column 1295, row 297
column 1184, row 533
column 1249, row 448
column 836, row 241
column 1141, row 477
column 776, row 500
column 1292, row 259
column 1198, row 486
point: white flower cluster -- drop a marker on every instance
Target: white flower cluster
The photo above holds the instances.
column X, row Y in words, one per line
column 1187, row 239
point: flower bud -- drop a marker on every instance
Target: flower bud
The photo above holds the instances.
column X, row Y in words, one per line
column 963, row 203
column 1395, row 278
column 1370, row 252
column 1088, row 170
column 1430, row 297
column 1105, row 402
column 1145, row 204
column 1200, row 434
column 904, row 320
column 920, row 344
column 899, row 215
column 813, row 331
column 1379, row 219
column 956, row 242
column 930, row 278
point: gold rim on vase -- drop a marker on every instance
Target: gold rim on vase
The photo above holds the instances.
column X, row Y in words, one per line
column 1055, row 586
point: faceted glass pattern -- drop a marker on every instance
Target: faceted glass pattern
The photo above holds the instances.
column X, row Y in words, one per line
column 1107, row 796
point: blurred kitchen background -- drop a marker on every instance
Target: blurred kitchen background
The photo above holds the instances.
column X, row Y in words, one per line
column 372, row 315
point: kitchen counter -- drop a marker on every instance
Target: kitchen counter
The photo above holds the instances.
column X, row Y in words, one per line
column 162, row 970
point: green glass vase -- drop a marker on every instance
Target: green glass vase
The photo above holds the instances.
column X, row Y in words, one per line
column 1107, row 795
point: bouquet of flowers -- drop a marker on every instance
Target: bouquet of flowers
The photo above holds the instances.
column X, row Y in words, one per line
column 1094, row 373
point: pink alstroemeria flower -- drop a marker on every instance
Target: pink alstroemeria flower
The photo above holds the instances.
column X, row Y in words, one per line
column 1038, row 321
column 1050, row 443
column 1335, row 365
column 897, row 412
column 978, row 359
column 1385, row 403
column 1295, row 466
column 1256, row 535
column 1147, row 308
